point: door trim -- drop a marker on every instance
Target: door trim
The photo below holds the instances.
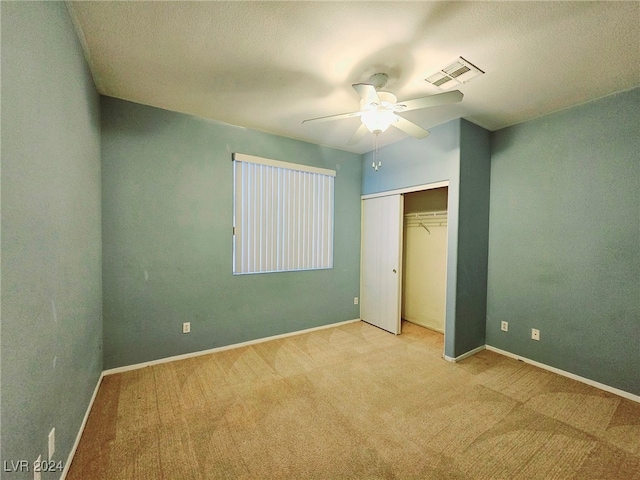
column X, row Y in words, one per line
column 400, row 191
column 416, row 188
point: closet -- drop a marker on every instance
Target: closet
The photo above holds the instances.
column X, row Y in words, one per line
column 424, row 261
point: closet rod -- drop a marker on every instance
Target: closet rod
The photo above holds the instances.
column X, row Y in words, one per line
column 422, row 224
column 417, row 221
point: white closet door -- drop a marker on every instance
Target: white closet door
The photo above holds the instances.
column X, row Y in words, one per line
column 381, row 276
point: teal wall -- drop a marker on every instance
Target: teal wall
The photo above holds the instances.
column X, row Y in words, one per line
column 564, row 250
column 51, row 332
column 167, row 216
column 473, row 238
column 457, row 152
column 412, row 162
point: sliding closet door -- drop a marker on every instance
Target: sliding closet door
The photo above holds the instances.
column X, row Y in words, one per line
column 381, row 278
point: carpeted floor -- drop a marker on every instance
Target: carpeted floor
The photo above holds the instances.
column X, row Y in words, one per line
column 355, row 402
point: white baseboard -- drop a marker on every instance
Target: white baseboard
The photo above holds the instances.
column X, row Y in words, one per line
column 174, row 358
column 464, row 355
column 81, row 430
column 424, row 325
column 601, row 386
column 573, row 376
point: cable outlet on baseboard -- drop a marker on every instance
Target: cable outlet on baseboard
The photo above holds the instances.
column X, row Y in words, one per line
column 535, row 334
column 186, row 327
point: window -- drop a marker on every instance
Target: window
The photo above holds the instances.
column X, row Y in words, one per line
column 282, row 216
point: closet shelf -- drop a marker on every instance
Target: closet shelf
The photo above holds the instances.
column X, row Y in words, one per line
column 426, row 219
column 423, row 215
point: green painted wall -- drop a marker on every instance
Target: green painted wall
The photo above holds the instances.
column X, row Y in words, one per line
column 51, row 332
column 564, row 250
column 458, row 152
column 410, row 162
column 167, row 217
column 473, row 237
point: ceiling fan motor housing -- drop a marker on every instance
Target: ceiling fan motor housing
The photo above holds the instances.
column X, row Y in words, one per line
column 387, row 101
column 378, row 80
column 378, row 109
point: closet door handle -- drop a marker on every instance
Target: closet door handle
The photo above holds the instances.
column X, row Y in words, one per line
column 394, row 271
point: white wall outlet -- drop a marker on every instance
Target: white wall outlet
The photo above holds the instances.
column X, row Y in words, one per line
column 355, row 300
column 186, row 327
column 37, row 468
column 504, row 326
column 52, row 442
column 535, row 334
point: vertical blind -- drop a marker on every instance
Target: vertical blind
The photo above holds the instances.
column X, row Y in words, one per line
column 283, row 216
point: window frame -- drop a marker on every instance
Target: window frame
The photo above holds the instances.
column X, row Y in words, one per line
column 304, row 197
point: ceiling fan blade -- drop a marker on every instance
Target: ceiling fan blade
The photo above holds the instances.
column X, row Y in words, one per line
column 357, row 136
column 367, row 93
column 333, row 117
column 409, row 127
column 431, row 101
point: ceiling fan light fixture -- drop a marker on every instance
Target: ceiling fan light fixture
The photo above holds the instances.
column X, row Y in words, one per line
column 378, row 121
column 378, row 111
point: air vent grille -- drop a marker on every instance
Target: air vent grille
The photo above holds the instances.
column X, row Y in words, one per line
column 441, row 80
column 460, row 71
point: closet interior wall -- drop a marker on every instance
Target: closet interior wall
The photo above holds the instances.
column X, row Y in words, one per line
column 425, row 258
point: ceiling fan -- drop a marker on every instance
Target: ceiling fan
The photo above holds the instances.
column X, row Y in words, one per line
column 379, row 109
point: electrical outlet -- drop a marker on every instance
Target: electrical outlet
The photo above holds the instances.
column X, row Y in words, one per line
column 504, row 326
column 355, row 300
column 186, row 327
column 52, row 442
column 535, row 334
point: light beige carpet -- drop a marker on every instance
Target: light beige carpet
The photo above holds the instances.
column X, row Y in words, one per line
column 355, row 402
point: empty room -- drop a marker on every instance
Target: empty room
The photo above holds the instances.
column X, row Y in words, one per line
column 319, row 240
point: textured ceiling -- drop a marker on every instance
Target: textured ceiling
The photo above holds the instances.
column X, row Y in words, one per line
column 270, row 65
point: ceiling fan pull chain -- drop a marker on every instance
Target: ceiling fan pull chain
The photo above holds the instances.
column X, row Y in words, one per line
column 377, row 163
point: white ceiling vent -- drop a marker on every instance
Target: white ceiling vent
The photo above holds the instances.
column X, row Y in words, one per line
column 459, row 72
